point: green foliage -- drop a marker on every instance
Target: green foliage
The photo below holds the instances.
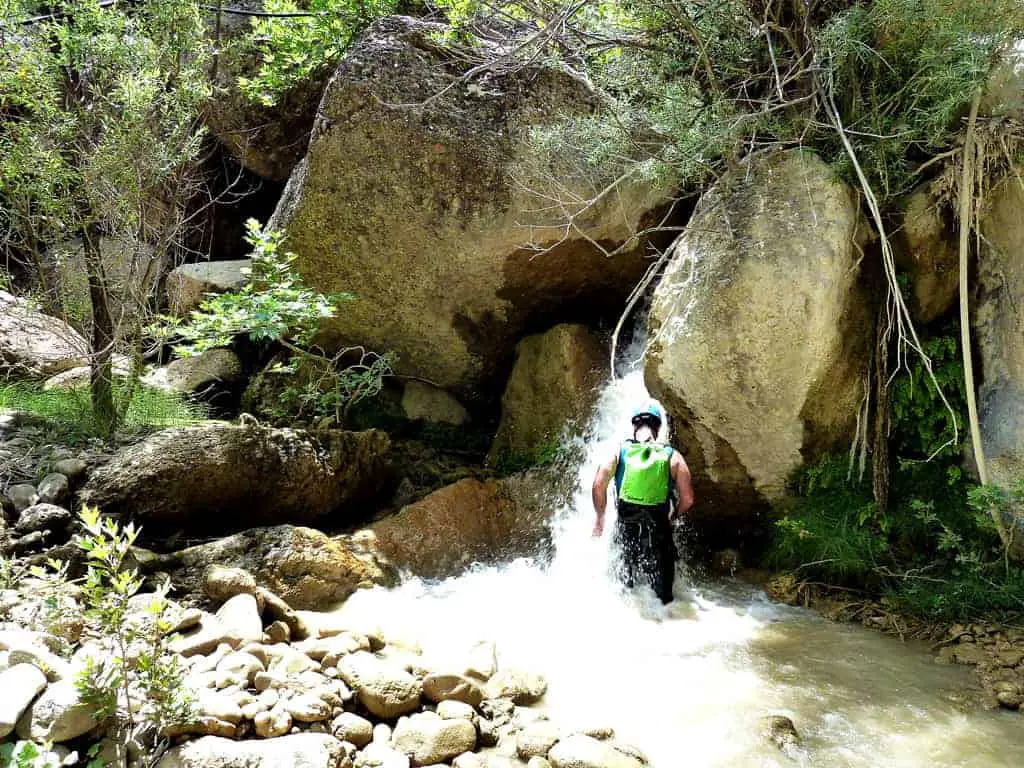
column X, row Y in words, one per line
column 935, row 552
column 274, row 306
column 545, row 454
column 329, row 387
column 922, row 427
column 12, row 572
column 27, row 754
column 904, row 71
column 143, row 676
column 97, row 109
column 99, row 126
column 70, row 410
column 833, row 529
column 294, row 49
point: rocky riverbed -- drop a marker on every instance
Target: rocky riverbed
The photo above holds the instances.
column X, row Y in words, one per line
column 270, row 686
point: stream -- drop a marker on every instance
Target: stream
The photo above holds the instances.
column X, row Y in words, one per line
column 688, row 683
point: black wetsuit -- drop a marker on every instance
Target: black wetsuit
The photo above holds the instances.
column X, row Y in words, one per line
column 643, row 535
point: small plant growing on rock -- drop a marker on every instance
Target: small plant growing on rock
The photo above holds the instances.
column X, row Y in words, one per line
column 141, row 684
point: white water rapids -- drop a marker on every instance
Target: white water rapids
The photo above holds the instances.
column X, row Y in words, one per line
column 688, row 684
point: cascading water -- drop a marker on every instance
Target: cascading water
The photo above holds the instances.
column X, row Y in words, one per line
column 689, row 683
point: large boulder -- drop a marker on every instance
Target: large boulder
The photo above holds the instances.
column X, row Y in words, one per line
column 760, row 331
column 35, row 345
column 998, row 322
column 428, row 213
column 468, row 522
column 926, row 250
column 213, row 370
column 553, row 387
column 306, row 568
column 188, row 284
column 222, row 477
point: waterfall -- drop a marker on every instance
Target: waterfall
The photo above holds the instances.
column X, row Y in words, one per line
column 688, row 683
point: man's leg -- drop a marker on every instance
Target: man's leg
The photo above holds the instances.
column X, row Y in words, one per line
column 666, row 556
column 627, row 537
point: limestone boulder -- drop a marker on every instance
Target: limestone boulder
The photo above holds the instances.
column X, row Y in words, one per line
column 35, row 345
column 440, row 210
column 927, row 251
column 58, row 715
column 188, row 284
column 215, row 369
column 552, row 390
column 998, row 324
column 468, row 522
column 760, row 332
column 306, row 568
column 581, row 751
column 309, row 750
column 425, row 402
column 222, row 477
column 428, row 739
column 41, row 517
column 78, row 377
column 21, row 683
column 385, row 689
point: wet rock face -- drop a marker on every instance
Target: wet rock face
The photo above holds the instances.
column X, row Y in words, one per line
column 926, row 249
column 553, row 387
column 221, row 477
column 998, row 325
column 425, row 214
column 760, row 331
column 469, row 521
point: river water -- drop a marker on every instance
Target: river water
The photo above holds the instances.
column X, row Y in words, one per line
column 689, row 683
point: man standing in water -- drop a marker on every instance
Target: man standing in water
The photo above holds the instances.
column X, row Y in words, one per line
column 645, row 473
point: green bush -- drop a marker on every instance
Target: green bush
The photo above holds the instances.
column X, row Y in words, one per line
column 935, row 552
column 293, row 49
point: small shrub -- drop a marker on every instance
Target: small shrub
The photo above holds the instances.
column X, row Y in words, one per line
column 142, row 678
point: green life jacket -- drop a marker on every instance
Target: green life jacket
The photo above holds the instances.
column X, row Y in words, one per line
column 644, row 475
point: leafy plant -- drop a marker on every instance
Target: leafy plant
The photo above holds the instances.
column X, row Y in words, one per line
column 12, row 572
column 330, row 387
column 274, row 306
column 27, row 754
column 922, row 429
column 293, row 49
column 142, row 676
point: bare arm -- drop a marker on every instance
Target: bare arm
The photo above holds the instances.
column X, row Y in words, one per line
column 683, row 482
column 599, row 492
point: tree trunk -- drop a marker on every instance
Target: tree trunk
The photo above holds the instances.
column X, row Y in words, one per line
column 101, row 379
column 880, row 443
